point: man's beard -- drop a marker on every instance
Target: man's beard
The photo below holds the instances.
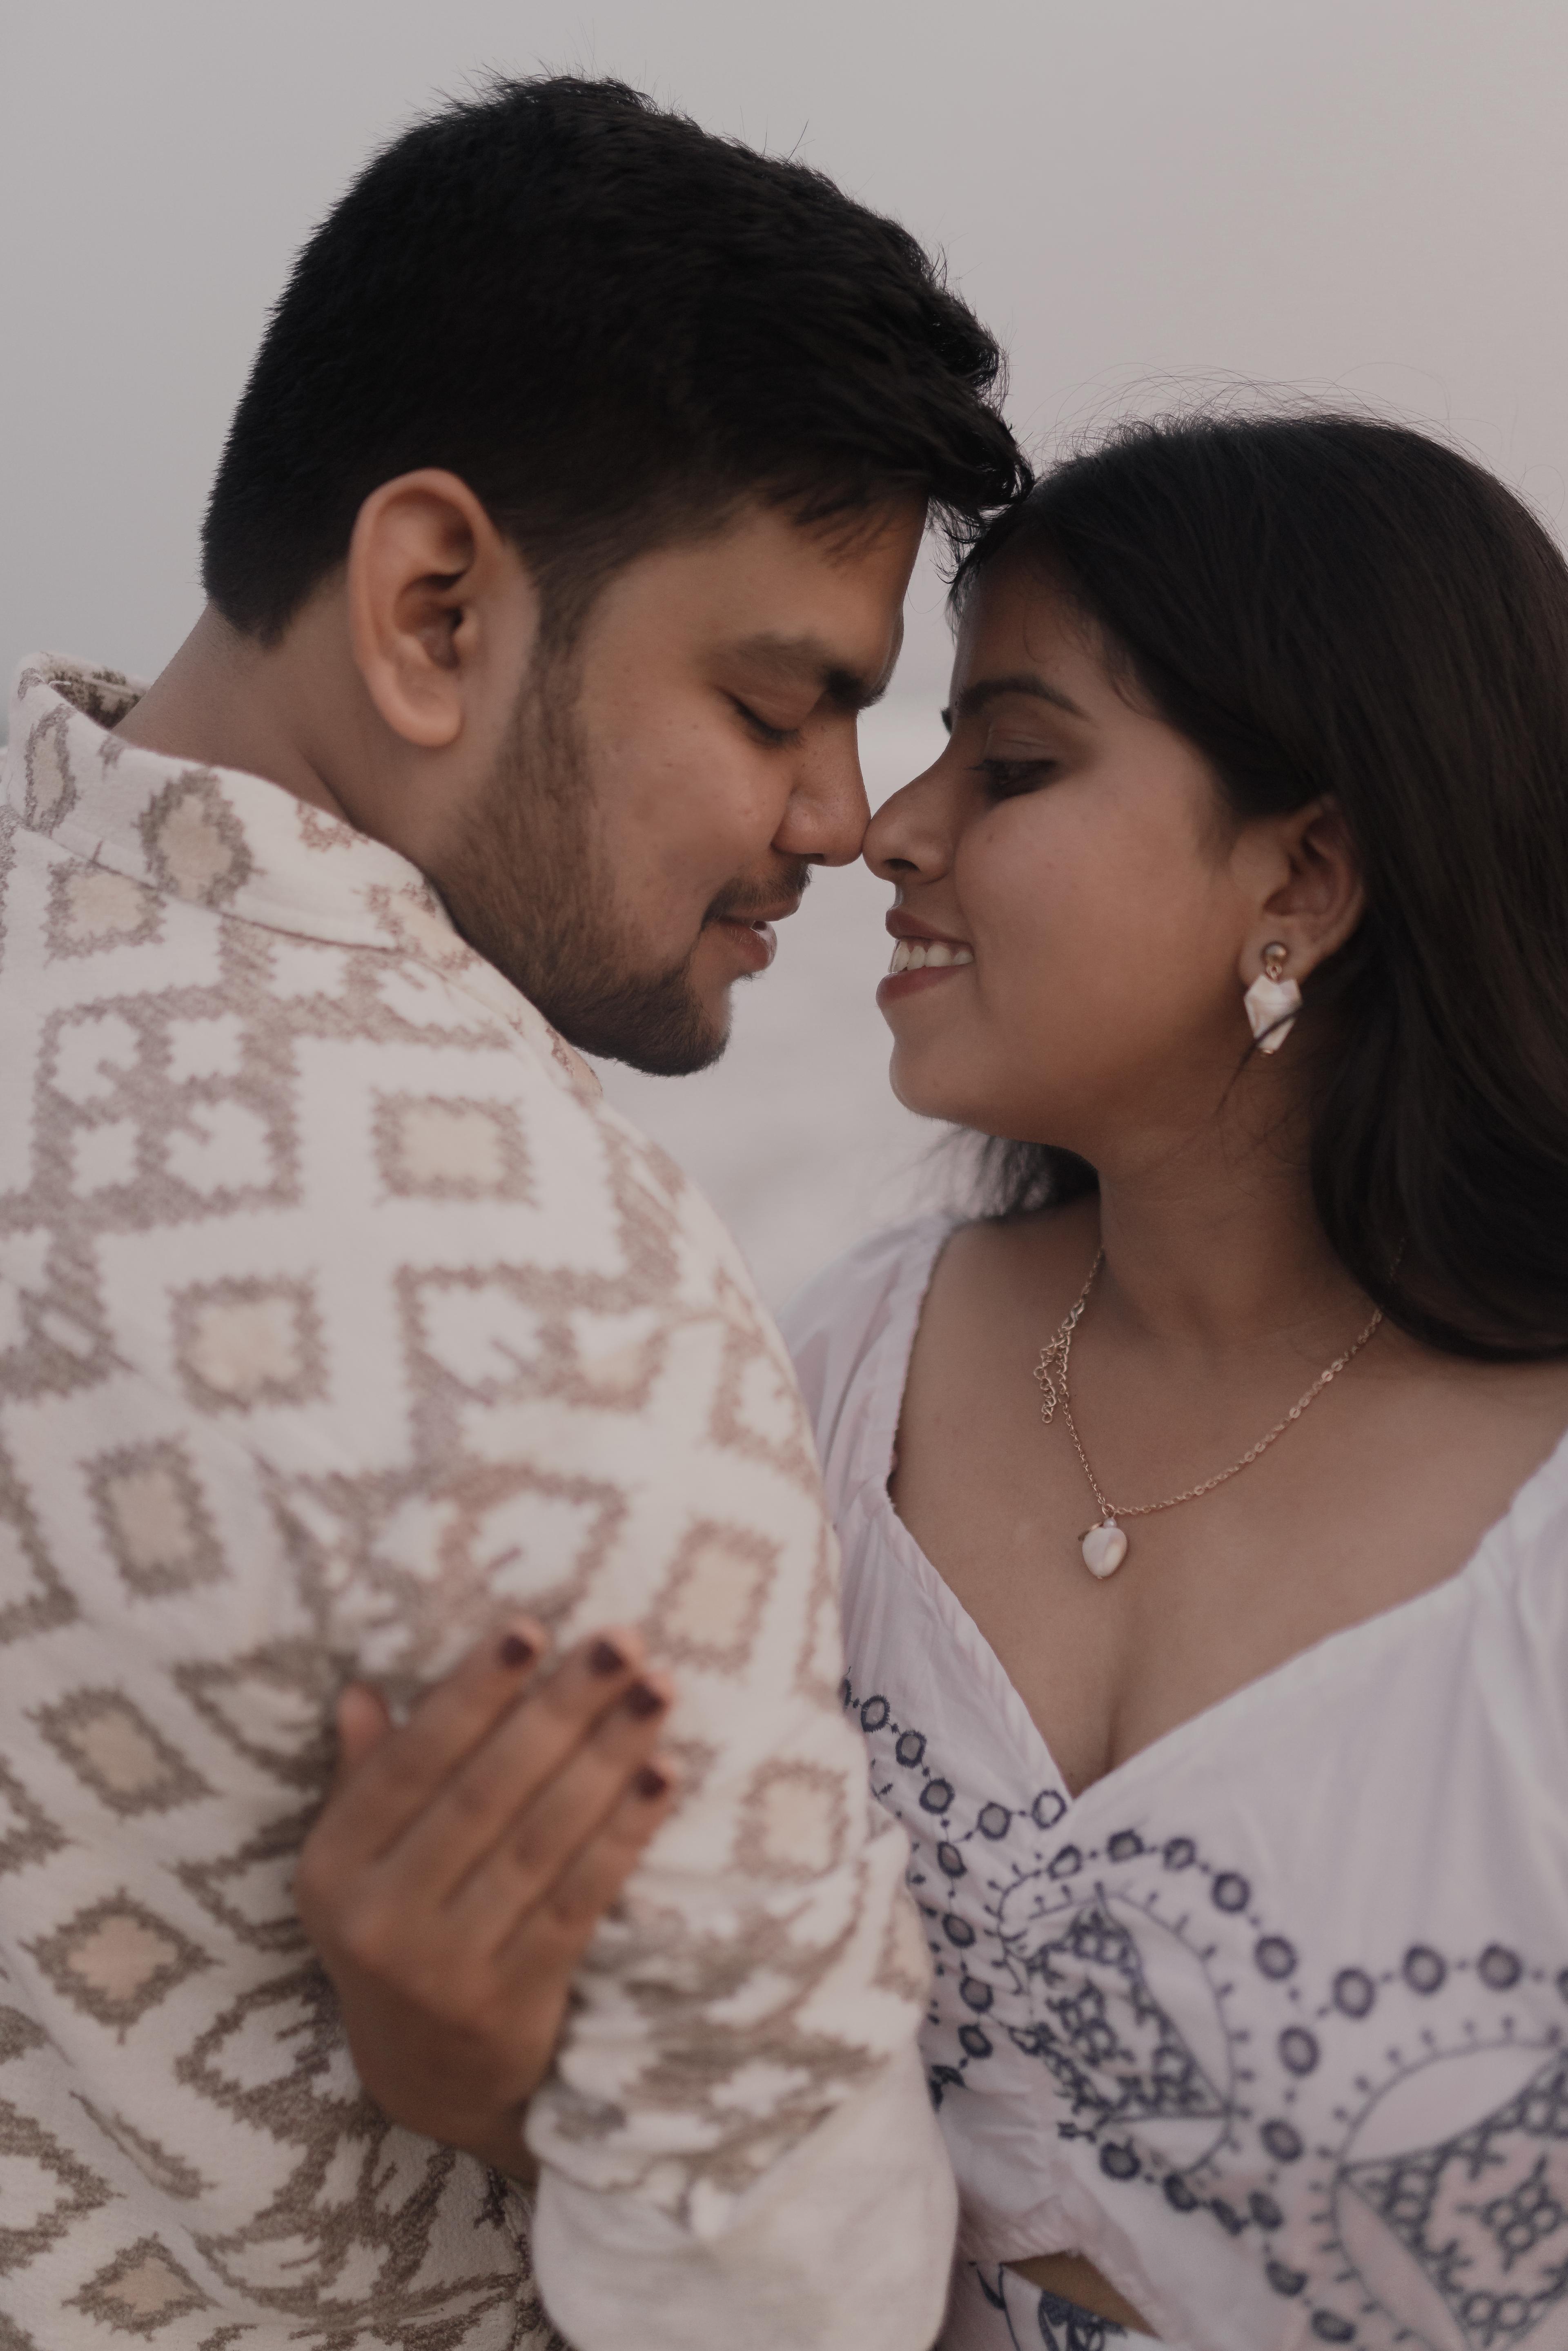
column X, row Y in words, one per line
column 530, row 888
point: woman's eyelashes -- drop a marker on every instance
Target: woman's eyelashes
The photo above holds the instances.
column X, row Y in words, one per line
column 1005, row 777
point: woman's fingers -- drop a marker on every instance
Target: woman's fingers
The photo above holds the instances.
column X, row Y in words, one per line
column 362, row 1721
column 392, row 1777
column 545, row 1836
column 555, row 1932
column 503, row 1774
column 523, row 1802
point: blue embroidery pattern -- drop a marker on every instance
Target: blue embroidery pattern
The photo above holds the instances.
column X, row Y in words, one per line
column 1115, row 2053
column 1063, row 2326
column 1485, row 2212
column 1454, row 2240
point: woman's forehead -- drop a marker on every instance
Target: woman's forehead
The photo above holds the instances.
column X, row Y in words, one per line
column 1020, row 622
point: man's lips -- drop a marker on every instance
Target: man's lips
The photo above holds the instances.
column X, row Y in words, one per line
column 766, row 910
column 752, row 936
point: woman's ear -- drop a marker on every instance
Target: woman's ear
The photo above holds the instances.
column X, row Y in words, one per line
column 1318, row 897
column 427, row 571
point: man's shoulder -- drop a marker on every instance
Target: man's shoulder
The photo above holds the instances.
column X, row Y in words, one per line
column 264, row 1142
column 440, row 1126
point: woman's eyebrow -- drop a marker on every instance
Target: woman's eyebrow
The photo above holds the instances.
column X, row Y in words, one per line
column 974, row 697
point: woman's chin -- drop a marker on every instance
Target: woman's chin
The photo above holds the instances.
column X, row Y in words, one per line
column 907, row 1089
column 943, row 1087
column 923, row 1087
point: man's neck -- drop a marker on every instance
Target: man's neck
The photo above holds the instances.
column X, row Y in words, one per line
column 225, row 702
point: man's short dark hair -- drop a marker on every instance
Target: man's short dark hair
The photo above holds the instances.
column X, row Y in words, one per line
column 613, row 327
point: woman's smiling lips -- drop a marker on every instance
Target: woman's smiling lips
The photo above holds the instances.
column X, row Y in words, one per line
column 921, row 958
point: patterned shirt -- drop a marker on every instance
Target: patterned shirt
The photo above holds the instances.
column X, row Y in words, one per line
column 338, row 1314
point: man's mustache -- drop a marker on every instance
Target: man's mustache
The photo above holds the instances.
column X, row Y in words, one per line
column 752, row 902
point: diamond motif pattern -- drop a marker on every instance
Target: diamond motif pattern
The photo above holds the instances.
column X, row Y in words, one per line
column 90, row 910
column 337, row 1315
column 26, row 1832
column 711, row 1606
column 111, row 1745
column 150, row 1507
column 142, row 2292
column 45, row 2190
column 436, row 1147
column 115, row 1960
column 793, row 1821
column 240, row 1343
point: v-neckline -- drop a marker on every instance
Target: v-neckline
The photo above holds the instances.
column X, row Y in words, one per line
column 1328, row 1651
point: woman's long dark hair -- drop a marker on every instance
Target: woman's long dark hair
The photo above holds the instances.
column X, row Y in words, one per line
column 1332, row 605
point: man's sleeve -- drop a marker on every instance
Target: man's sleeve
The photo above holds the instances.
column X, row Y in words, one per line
column 737, row 2145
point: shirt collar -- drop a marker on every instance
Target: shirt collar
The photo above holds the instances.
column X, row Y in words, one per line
column 234, row 842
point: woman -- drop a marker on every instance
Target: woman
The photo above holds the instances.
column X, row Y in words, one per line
column 1218, row 1670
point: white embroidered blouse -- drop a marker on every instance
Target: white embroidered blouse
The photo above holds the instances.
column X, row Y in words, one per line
column 1271, row 2022
column 336, row 1314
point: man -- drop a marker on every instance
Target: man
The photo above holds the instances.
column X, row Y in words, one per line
column 561, row 531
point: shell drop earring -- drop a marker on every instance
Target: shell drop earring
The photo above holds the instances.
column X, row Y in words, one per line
column 1272, row 1001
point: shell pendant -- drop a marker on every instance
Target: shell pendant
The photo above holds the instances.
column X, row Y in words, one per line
column 1105, row 1548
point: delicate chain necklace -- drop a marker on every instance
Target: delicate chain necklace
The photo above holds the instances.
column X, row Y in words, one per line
column 1105, row 1542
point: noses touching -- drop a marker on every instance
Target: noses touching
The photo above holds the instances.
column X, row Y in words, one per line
column 908, row 843
column 910, row 855
column 827, row 819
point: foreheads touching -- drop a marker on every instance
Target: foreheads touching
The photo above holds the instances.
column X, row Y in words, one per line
column 591, row 453
column 611, row 326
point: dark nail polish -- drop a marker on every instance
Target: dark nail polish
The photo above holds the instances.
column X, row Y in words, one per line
column 651, row 1783
column 641, row 1700
column 516, row 1651
column 604, row 1657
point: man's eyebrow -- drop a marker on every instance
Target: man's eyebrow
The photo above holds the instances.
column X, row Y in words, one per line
column 985, row 690
column 795, row 660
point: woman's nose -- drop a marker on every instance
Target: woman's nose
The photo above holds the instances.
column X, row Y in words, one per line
column 910, row 837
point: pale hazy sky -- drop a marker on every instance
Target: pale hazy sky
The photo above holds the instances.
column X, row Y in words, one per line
column 1365, row 195
column 1360, row 197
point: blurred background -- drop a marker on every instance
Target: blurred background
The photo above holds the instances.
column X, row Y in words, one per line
column 1145, row 198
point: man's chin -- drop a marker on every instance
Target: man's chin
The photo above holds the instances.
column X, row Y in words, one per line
column 680, row 1059
column 664, row 1030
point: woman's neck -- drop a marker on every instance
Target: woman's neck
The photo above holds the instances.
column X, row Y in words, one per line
column 1218, row 1248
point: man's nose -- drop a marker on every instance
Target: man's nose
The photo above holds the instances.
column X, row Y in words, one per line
column 827, row 812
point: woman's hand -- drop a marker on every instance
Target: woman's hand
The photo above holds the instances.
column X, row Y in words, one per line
column 461, row 1863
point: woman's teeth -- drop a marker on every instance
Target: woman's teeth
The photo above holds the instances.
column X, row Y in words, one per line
column 926, row 954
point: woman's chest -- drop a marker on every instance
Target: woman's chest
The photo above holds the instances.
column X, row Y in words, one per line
column 1373, row 1504
column 1285, row 2000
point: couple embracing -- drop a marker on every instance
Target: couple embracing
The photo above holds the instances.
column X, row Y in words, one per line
column 1192, row 1968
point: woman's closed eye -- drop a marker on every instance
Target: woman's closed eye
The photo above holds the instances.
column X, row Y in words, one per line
column 1003, row 777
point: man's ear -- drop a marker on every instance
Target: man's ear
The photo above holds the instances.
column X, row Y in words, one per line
column 1317, row 897
column 432, row 590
